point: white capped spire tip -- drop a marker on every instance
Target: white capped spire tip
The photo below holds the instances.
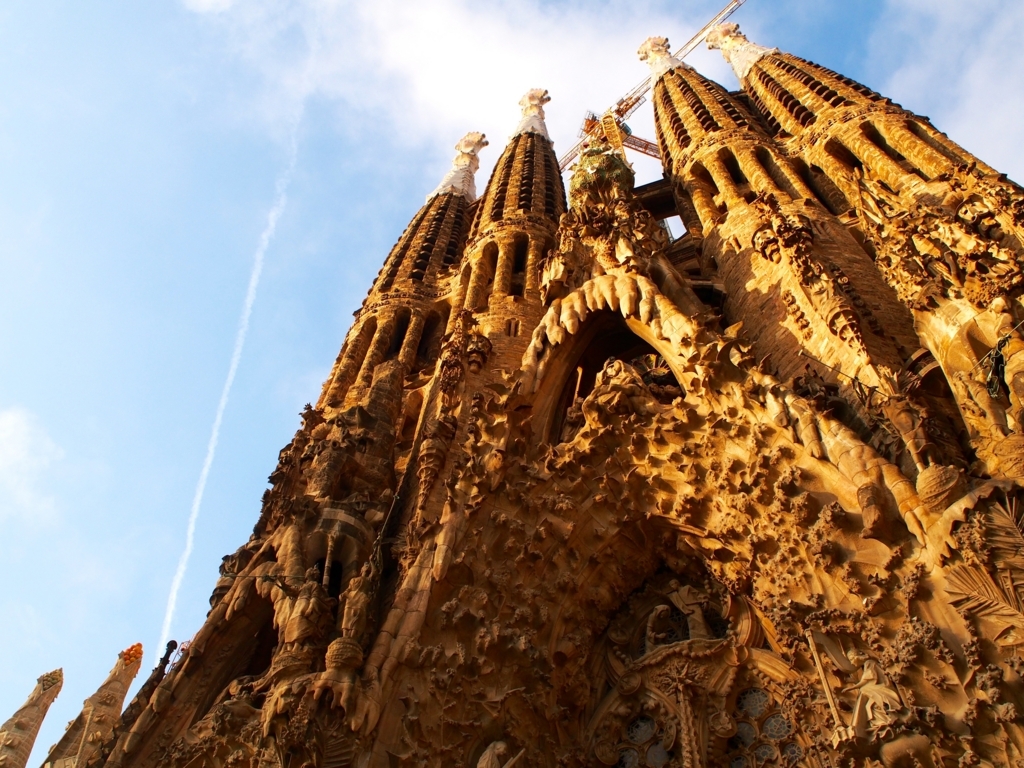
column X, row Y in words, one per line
column 737, row 49
column 461, row 179
column 658, row 55
column 533, row 113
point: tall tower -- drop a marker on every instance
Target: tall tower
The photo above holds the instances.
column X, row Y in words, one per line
column 18, row 734
column 552, row 510
column 786, row 259
column 944, row 228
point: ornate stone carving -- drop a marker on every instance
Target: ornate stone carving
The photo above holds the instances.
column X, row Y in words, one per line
column 533, row 113
column 620, row 538
column 738, row 51
column 461, row 179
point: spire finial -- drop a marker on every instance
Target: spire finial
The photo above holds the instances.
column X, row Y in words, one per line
column 737, row 50
column 658, row 55
column 461, row 178
column 533, row 113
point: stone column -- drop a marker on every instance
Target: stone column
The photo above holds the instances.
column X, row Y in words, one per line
column 348, row 368
column 378, row 349
column 724, row 181
column 407, row 355
column 891, row 172
column 478, row 283
column 703, row 203
column 533, row 258
column 759, row 177
column 914, row 149
column 503, row 272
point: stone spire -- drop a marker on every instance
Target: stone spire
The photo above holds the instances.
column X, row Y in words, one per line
column 533, row 113
column 401, row 319
column 461, row 179
column 525, row 180
column 659, row 58
column 95, row 723
column 737, row 50
column 19, row 733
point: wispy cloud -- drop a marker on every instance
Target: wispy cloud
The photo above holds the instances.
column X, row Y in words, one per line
column 431, row 71
column 280, row 201
column 26, row 452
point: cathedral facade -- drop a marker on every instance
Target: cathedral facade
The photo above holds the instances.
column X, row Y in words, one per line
column 577, row 493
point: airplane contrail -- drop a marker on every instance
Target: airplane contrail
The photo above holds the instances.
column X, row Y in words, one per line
column 280, row 201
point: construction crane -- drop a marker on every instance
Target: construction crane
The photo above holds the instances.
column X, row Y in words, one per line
column 613, row 122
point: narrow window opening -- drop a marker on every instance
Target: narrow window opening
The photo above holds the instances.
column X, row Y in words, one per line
column 844, row 156
column 787, row 100
column 430, row 341
column 363, row 341
column 774, row 126
column 707, row 181
column 526, row 176
column 397, row 256
column 871, row 134
column 488, row 262
column 518, row 285
column 411, row 417
column 398, row 337
column 699, row 109
column 512, row 328
column 932, row 141
column 767, row 161
column 733, row 167
column 337, row 575
column 551, row 179
column 824, row 189
column 498, row 204
column 456, row 235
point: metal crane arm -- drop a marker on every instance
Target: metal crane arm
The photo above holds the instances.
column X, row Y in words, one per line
column 629, row 103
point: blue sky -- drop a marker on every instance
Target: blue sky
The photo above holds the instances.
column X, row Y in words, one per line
column 140, row 146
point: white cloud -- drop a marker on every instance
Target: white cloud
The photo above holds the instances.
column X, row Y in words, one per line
column 964, row 67
column 26, row 452
column 432, row 71
column 208, row 6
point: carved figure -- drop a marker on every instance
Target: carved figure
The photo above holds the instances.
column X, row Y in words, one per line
column 877, row 699
column 691, row 602
column 491, row 757
column 311, row 608
column 356, row 601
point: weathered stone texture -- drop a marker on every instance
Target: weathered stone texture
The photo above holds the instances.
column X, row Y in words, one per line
column 577, row 495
